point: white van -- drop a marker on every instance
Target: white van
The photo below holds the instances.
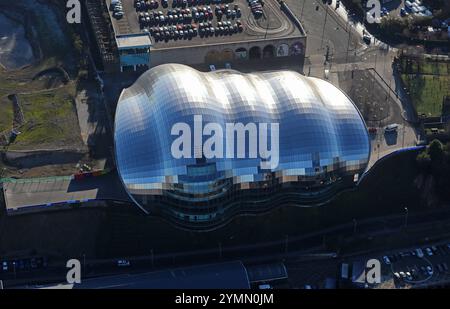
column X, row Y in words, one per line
column 391, row 128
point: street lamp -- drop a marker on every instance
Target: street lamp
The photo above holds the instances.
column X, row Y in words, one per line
column 301, row 15
column 286, row 244
column 406, row 216
column 14, row 267
column 84, row 264
column 324, row 24
column 152, row 258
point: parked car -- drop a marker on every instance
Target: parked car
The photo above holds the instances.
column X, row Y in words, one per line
column 391, row 128
column 123, row 263
column 367, row 39
column 373, row 130
column 118, row 14
column 419, row 253
column 424, row 270
column 409, row 276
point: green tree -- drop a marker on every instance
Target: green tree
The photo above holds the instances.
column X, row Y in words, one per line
column 423, row 160
column 436, row 151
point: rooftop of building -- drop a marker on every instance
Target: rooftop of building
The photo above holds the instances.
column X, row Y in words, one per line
column 135, row 41
column 46, row 193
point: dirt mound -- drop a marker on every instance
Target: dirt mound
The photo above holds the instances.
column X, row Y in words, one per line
column 52, row 78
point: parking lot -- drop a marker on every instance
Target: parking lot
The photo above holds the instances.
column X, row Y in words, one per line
column 13, row 267
column 178, row 23
column 418, row 266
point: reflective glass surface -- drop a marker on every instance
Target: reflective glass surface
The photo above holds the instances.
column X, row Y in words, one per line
column 322, row 135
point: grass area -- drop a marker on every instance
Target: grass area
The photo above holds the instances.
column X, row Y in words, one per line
column 415, row 66
column 427, row 82
column 427, row 92
column 50, row 120
column 6, row 114
column 430, row 67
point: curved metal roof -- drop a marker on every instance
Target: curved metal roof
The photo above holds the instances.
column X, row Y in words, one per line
column 321, row 132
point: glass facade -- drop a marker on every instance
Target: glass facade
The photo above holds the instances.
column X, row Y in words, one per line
column 323, row 142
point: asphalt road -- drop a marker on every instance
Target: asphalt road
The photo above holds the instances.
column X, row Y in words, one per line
column 296, row 251
column 335, row 33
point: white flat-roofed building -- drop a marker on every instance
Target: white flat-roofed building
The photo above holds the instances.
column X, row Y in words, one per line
column 134, row 50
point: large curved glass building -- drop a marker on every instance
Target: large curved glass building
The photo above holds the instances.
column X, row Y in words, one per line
column 199, row 148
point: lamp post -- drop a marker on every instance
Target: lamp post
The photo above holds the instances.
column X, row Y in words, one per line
column 406, row 216
column 324, row 24
column 14, row 267
column 152, row 258
column 84, row 264
column 286, row 244
column 301, row 14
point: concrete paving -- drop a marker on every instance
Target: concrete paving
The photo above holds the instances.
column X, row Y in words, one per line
column 47, row 193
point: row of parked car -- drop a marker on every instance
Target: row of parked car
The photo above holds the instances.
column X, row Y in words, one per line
column 257, row 7
column 142, row 6
column 419, row 272
column 146, row 5
column 419, row 252
column 186, row 16
column 117, row 8
column 23, row 264
column 414, row 273
column 228, row 12
column 205, row 29
column 173, row 32
column 159, row 18
column 184, row 3
column 222, row 28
